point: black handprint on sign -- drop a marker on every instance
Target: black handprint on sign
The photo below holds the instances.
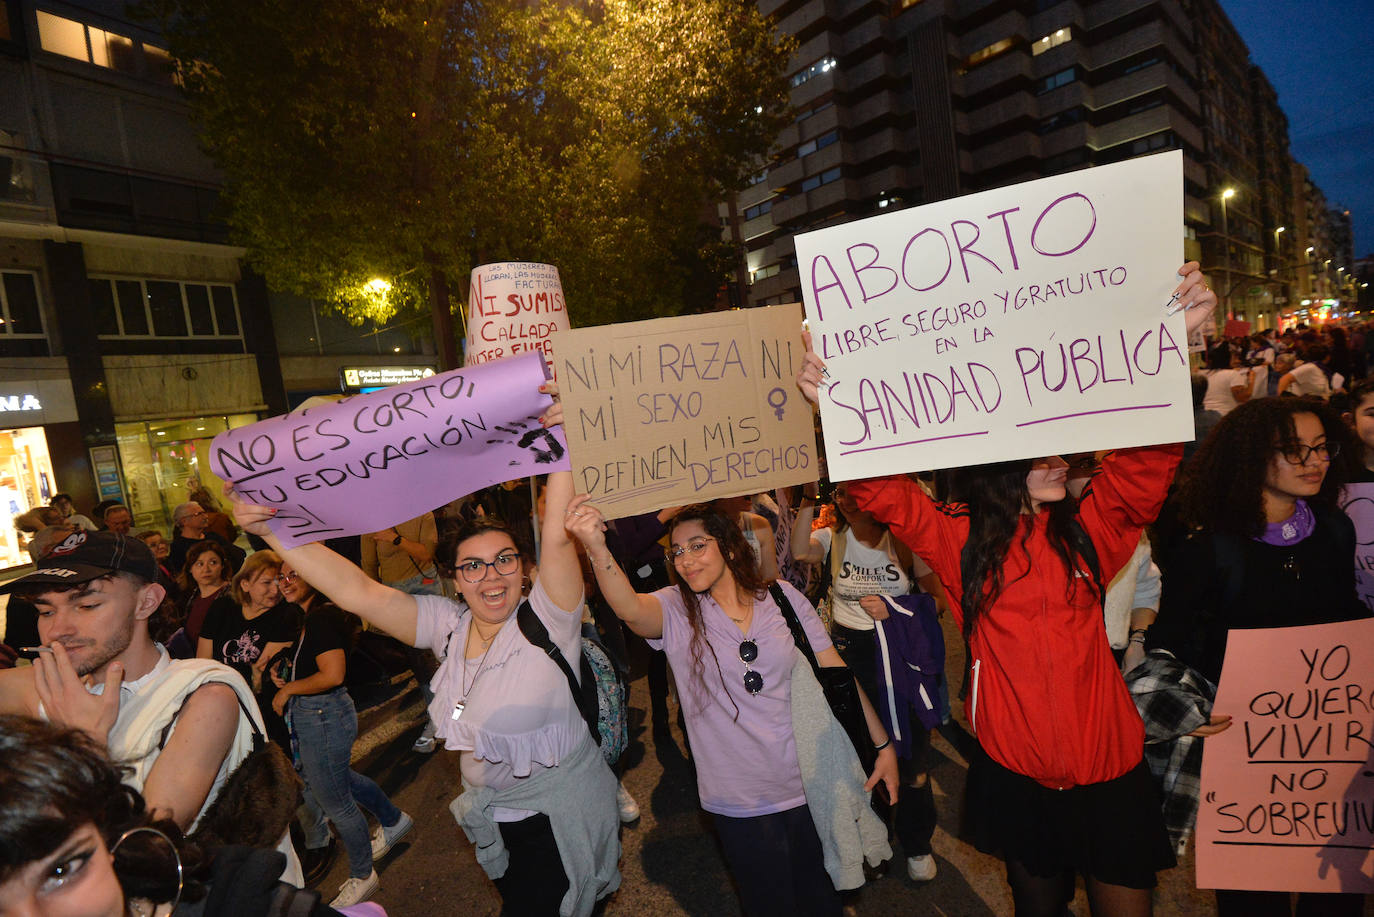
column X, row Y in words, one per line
column 529, row 438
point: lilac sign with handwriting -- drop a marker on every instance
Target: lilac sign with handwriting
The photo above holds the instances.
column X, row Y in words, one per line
column 1014, row 323
column 371, row 461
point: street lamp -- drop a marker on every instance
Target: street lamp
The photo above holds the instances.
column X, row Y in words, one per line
column 1226, row 195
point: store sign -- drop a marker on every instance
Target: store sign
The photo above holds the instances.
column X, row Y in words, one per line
column 30, row 402
column 25, row 402
column 357, row 378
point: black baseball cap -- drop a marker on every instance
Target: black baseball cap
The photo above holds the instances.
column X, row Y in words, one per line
column 84, row 556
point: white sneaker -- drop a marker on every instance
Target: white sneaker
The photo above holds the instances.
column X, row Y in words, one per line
column 355, row 890
column 425, row 743
column 629, row 809
column 384, row 838
column 921, row 868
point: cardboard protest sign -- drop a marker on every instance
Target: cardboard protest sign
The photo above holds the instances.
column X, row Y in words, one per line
column 1288, row 790
column 367, row 462
column 1014, row 323
column 680, row 410
column 513, row 307
column 1358, row 502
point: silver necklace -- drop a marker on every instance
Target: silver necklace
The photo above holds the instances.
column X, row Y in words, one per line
column 461, row 705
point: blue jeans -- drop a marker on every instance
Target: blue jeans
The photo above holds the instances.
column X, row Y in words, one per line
column 324, row 727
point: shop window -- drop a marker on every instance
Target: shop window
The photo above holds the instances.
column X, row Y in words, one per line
column 163, row 309
column 26, row 481
column 158, row 459
column 1052, row 40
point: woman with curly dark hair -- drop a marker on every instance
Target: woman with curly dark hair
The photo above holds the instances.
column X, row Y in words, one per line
column 732, row 652
column 75, row 841
column 1269, row 547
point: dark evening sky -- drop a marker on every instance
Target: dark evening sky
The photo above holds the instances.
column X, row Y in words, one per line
column 1317, row 54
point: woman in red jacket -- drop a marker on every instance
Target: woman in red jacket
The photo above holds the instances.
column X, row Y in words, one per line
column 1062, row 786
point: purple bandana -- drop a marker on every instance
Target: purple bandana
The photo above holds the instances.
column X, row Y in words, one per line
column 1291, row 530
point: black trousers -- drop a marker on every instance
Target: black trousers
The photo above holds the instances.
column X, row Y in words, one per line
column 778, row 864
column 534, row 883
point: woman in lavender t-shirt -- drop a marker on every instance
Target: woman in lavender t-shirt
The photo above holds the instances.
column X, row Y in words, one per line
column 732, row 654
column 535, row 784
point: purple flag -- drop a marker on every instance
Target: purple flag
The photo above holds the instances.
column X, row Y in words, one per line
column 370, row 461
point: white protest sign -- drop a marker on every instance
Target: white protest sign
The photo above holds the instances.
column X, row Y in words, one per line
column 1358, row 502
column 682, row 410
column 513, row 307
column 1014, row 323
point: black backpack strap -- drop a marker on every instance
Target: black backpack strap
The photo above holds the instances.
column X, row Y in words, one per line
column 584, row 693
column 789, row 615
column 259, row 737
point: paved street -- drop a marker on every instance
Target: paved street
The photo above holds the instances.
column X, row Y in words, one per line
column 671, row 863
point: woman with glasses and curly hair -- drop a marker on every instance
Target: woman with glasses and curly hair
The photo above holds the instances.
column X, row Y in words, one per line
column 75, row 841
column 539, row 801
column 1269, row 547
column 732, row 655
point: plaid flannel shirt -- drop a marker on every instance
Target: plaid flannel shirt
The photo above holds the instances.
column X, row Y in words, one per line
column 1173, row 700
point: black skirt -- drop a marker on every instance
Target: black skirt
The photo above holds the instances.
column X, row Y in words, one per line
column 1112, row 832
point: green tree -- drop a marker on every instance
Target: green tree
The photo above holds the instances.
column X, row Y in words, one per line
column 413, row 139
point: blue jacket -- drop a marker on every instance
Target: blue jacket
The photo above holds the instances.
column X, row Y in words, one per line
column 910, row 655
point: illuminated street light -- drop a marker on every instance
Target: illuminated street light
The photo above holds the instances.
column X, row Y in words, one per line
column 1226, row 195
column 377, row 285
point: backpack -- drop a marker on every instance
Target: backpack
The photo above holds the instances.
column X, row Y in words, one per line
column 599, row 693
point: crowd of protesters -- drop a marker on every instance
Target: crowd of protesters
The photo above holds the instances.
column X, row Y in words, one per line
column 182, row 689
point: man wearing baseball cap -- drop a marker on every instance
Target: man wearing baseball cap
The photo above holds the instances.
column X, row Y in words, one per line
column 98, row 669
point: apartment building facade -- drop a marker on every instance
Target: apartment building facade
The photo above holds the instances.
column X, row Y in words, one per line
column 906, row 102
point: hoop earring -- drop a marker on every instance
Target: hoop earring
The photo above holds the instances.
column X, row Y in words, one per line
column 181, row 875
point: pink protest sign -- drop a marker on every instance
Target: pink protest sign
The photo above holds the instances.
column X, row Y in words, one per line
column 371, row 461
column 1288, row 790
column 513, row 307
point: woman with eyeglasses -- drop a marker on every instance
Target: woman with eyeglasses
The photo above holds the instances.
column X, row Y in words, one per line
column 324, row 724
column 1270, row 547
column 539, row 801
column 732, row 655
column 1059, row 786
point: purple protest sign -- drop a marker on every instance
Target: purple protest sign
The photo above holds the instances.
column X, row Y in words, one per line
column 368, row 462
